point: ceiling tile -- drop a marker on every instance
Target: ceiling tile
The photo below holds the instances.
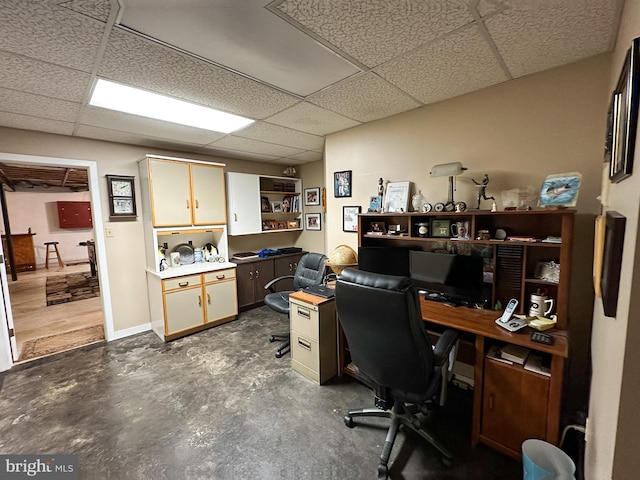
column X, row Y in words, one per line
column 109, row 119
column 140, row 62
column 364, row 98
column 44, row 31
column 25, row 122
column 41, row 78
column 131, row 138
column 37, row 105
column 375, row 31
column 312, row 119
column 268, row 132
column 209, row 150
column 537, row 36
column 247, row 145
column 425, row 73
column 98, row 9
column 305, row 157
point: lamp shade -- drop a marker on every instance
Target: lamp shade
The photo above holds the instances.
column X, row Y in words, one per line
column 447, row 169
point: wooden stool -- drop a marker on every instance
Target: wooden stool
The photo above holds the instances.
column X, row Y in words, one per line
column 55, row 250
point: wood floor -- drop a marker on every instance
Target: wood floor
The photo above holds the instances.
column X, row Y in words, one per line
column 32, row 317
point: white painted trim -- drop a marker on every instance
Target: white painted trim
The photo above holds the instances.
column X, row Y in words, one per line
column 127, row 332
column 101, row 252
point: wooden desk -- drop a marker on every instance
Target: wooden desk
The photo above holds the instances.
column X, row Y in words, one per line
column 510, row 404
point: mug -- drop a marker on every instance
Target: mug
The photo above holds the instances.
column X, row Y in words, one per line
column 538, row 305
column 460, row 230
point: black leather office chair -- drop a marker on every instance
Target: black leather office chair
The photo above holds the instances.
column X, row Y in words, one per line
column 388, row 342
column 310, row 271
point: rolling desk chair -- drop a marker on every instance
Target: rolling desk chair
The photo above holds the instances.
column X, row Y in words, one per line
column 310, row 271
column 380, row 316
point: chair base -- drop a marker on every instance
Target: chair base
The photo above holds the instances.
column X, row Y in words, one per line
column 400, row 414
column 281, row 337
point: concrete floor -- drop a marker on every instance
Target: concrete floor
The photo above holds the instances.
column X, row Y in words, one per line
column 218, row 405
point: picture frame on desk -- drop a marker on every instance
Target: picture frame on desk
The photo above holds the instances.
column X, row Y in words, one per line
column 396, row 198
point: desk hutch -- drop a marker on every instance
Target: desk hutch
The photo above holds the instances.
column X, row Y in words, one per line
column 511, row 404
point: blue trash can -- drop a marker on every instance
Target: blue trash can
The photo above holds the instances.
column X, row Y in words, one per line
column 544, row 461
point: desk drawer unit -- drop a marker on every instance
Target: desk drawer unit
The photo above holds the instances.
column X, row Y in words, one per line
column 314, row 338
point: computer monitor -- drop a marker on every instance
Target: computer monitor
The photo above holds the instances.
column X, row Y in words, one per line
column 449, row 276
column 385, row 260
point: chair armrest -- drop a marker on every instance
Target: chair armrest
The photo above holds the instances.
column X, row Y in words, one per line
column 444, row 345
column 271, row 283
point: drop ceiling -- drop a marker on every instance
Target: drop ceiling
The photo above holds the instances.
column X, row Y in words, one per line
column 301, row 68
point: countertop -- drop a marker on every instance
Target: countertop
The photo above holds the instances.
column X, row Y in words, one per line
column 192, row 269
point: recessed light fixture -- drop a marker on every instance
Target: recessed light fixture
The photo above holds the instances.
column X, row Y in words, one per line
column 123, row 98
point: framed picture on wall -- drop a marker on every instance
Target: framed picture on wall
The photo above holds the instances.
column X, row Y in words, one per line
column 350, row 218
column 312, row 196
column 612, row 261
column 312, row 221
column 342, row 184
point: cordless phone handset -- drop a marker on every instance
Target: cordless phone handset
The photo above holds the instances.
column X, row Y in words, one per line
column 509, row 310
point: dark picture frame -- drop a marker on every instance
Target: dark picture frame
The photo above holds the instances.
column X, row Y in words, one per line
column 624, row 117
column 312, row 221
column 122, row 196
column 265, row 205
column 612, row 261
column 342, row 184
column 350, row 218
column 312, row 196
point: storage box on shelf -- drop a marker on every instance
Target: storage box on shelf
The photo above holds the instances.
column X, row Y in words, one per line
column 259, row 203
column 193, row 295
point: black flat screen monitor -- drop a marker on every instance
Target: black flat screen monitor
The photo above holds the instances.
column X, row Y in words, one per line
column 385, row 260
column 455, row 277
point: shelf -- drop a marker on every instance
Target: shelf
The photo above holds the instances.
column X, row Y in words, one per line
column 272, row 192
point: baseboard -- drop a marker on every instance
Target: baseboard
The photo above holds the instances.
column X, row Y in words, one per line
column 127, row 332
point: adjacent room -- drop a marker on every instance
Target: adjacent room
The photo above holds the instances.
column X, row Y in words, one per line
column 233, row 232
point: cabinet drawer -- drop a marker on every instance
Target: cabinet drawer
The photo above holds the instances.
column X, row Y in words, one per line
column 305, row 351
column 181, row 282
column 219, row 275
column 304, row 319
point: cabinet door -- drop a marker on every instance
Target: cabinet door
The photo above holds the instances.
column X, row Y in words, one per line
column 170, row 193
column 183, row 309
column 207, row 182
column 514, row 404
column 244, row 204
column 285, row 266
column 244, row 279
column 262, row 275
column 221, row 300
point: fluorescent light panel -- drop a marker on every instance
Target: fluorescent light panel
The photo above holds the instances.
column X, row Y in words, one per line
column 122, row 98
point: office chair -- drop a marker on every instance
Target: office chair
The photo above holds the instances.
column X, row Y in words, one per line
column 310, row 271
column 388, row 342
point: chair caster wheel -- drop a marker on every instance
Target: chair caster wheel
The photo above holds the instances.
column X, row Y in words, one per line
column 383, row 472
column 348, row 421
column 279, row 355
column 272, row 338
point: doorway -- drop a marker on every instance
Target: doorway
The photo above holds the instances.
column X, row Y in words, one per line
column 96, row 311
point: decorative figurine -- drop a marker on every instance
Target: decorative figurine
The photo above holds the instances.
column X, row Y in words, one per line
column 482, row 187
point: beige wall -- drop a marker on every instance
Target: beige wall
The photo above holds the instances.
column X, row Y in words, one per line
column 612, row 451
column 125, row 251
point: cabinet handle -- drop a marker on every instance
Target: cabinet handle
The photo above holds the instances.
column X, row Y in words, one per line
column 197, row 204
column 187, row 204
column 220, row 277
column 304, row 313
column 304, row 344
column 295, row 265
column 257, row 274
column 491, row 399
column 235, row 217
column 250, row 275
column 183, row 284
column 199, row 301
column 209, row 299
column 291, row 267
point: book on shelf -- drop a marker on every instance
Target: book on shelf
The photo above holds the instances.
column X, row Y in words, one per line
column 514, row 353
column 521, row 238
column 552, row 239
column 536, row 363
column 496, row 354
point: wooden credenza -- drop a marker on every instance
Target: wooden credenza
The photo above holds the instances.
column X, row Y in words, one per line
column 23, row 252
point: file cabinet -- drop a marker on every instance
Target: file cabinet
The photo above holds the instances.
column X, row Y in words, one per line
column 314, row 339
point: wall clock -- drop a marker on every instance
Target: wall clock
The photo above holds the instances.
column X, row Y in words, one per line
column 122, row 197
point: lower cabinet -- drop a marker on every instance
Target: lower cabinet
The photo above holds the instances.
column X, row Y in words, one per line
column 183, row 305
column 254, row 274
column 514, row 406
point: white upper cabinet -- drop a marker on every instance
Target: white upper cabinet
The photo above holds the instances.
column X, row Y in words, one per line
column 244, row 204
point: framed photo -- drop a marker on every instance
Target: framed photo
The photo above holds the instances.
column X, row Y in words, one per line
column 265, row 205
column 122, row 197
column 312, row 196
column 282, row 225
column 612, row 261
column 378, row 228
column 342, row 184
column 624, row 121
column 396, row 199
column 440, row 228
column 312, row 221
column 560, row 190
column 375, row 204
column 292, row 224
column 276, row 207
column 350, row 218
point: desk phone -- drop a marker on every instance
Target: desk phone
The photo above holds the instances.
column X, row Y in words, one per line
column 508, row 321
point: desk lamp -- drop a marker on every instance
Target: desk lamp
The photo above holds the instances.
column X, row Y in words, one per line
column 451, row 170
